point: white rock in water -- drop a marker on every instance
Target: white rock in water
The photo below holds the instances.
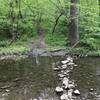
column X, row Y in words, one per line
column 40, row 98
column 65, row 82
column 64, row 66
column 70, row 63
column 75, row 65
column 33, row 99
column 7, row 90
column 61, row 75
column 65, row 61
column 64, row 97
column 56, row 69
column 71, row 86
column 76, row 92
column 70, row 59
column 59, row 89
column 70, row 92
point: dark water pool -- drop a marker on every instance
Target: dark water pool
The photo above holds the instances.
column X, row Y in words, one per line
column 26, row 80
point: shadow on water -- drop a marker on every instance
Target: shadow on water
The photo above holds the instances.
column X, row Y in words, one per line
column 25, row 80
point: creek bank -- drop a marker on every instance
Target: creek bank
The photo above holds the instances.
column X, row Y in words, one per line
column 46, row 52
column 34, row 53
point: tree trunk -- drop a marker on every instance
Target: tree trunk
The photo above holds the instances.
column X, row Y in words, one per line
column 73, row 24
column 99, row 6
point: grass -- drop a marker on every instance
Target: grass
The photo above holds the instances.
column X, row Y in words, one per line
column 13, row 50
column 53, row 42
column 23, row 45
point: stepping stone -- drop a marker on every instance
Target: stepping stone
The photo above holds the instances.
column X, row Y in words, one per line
column 64, row 97
column 59, row 89
column 65, row 82
column 76, row 92
column 65, row 61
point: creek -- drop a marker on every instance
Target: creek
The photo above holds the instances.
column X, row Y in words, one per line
column 24, row 79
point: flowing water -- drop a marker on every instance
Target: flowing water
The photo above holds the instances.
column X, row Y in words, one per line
column 87, row 77
column 26, row 80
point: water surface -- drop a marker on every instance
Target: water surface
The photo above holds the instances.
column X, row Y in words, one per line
column 87, row 77
column 25, row 79
column 29, row 78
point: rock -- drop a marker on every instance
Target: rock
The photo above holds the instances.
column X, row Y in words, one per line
column 71, row 86
column 65, row 61
column 56, row 69
column 64, row 97
column 98, row 97
column 62, row 71
column 65, row 87
column 5, row 87
column 60, row 79
column 71, row 67
column 91, row 90
column 70, row 59
column 76, row 92
column 61, row 75
column 75, row 65
column 34, row 99
column 65, row 82
column 5, row 94
column 74, row 97
column 7, row 90
column 70, row 93
column 59, row 89
column 66, row 73
column 71, row 82
column 40, row 98
column 70, row 63
column 64, row 66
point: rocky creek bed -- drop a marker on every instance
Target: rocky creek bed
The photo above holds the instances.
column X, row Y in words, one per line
column 67, row 89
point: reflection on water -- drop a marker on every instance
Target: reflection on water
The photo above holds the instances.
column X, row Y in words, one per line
column 25, row 80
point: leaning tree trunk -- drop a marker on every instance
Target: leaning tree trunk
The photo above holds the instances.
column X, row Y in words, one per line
column 73, row 24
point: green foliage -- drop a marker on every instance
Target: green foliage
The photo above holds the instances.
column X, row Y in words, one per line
column 45, row 13
column 56, row 40
column 14, row 50
column 90, row 41
column 89, row 16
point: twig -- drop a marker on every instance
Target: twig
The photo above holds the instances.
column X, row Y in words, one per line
column 56, row 22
